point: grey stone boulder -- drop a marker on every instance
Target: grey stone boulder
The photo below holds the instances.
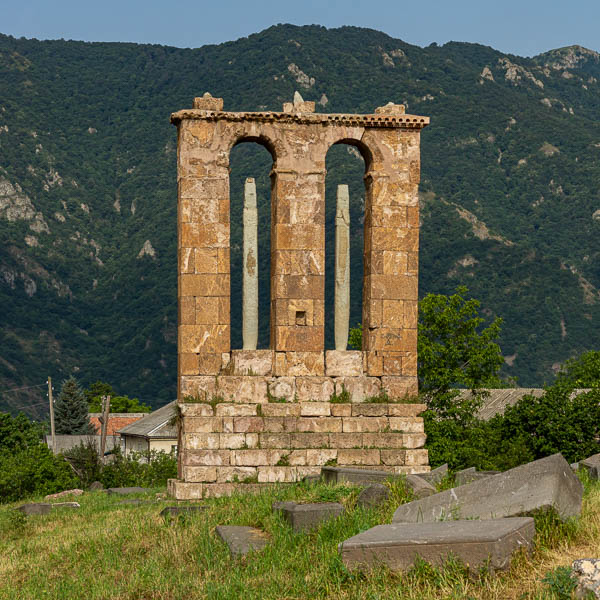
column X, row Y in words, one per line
column 175, row 511
column 419, row 487
column 96, row 486
column 476, row 543
column 123, row 491
column 471, row 474
column 436, row 475
column 353, row 475
column 592, row 465
column 304, row 517
column 539, row 485
column 35, row 508
column 373, row 495
column 241, row 540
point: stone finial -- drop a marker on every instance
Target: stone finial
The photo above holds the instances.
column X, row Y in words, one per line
column 299, row 105
column 207, row 102
column 391, row 109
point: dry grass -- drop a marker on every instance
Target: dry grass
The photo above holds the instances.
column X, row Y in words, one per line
column 123, row 552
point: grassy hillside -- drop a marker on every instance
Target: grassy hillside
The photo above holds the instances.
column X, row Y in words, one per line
column 510, row 183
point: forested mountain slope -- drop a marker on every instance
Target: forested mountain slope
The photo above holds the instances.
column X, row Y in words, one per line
column 510, row 190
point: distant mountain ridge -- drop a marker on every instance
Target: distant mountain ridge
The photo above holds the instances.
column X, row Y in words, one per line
column 510, row 190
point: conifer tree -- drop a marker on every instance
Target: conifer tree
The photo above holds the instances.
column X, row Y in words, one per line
column 71, row 410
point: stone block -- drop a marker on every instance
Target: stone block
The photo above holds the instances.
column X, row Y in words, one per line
column 280, row 424
column 305, row 517
column 282, row 387
column 345, row 440
column 35, row 508
column 274, row 440
column 248, row 424
column 256, row 457
column 539, row 485
column 471, row 474
column 435, row 475
column 400, row 387
column 477, row 544
column 277, row 474
column 196, row 409
column 312, row 474
column 242, row 389
column 281, row 409
column 299, row 364
column 76, row 505
column 205, row 458
column 373, row 495
column 181, row 490
column 319, row 424
column 320, row 456
column 309, row 440
column 232, row 441
column 346, row 363
column 237, row 474
column 74, row 492
column 314, row 389
column 384, row 440
column 352, row 475
column 199, row 474
column 370, row 410
column 359, row 388
column 407, row 424
column 298, row 338
column 241, row 540
column 201, row 441
column 315, row 409
column 235, row 410
column 592, row 465
column 197, row 386
column 96, row 486
column 348, row 456
column 364, row 424
column 419, row 487
column 341, row 410
column 252, row 362
column 417, row 457
column 207, row 102
column 406, row 410
column 202, row 425
column 187, row 511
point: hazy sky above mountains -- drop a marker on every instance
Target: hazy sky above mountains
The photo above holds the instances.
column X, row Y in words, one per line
column 523, row 27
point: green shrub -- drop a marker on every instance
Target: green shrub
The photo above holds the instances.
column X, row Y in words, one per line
column 85, row 461
column 145, row 469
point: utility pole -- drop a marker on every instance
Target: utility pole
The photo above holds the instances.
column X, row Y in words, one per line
column 53, row 436
column 104, row 422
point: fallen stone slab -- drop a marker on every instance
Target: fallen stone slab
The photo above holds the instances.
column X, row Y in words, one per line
column 241, row 540
column 304, row 517
column 592, row 465
column 471, row 474
column 66, row 505
column 587, row 574
column 436, row 475
column 127, row 490
column 373, row 495
column 96, row 486
column 35, row 508
column 476, row 543
column 351, row 475
column 419, row 487
column 75, row 492
column 539, row 485
column 174, row 511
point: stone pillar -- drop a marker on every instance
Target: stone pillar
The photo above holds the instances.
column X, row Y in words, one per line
column 342, row 267
column 250, row 268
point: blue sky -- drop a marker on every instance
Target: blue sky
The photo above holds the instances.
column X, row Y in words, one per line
column 524, row 27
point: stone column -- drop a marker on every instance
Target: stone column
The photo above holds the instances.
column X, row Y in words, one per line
column 342, row 267
column 250, row 268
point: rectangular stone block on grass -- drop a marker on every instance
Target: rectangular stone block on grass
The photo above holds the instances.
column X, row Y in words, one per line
column 240, row 540
column 351, row 475
column 477, row 544
column 539, row 485
column 304, row 517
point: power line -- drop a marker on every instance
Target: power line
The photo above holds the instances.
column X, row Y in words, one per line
column 29, row 387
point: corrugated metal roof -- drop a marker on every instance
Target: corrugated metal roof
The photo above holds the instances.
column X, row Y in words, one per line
column 496, row 401
column 154, row 425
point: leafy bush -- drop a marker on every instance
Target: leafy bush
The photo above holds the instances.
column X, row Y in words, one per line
column 146, row 469
column 85, row 461
column 34, row 471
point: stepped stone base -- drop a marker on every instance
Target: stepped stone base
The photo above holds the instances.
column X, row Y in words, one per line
column 228, row 446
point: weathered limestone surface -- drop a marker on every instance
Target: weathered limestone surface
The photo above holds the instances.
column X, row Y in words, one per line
column 471, row 474
column 342, row 268
column 304, row 517
column 250, row 268
column 35, row 508
column 373, row 495
column 476, row 543
column 539, row 485
column 241, row 540
column 435, row 475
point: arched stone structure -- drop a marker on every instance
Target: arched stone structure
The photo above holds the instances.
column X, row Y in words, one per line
column 296, row 366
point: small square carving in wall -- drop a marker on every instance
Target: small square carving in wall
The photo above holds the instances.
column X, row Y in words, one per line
column 300, row 317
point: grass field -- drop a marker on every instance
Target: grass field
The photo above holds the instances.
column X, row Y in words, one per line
column 107, row 550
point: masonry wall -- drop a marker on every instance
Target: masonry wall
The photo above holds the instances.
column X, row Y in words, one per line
column 296, row 369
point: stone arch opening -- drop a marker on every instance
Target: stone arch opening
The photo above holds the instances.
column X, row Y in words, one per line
column 346, row 163
column 251, row 160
